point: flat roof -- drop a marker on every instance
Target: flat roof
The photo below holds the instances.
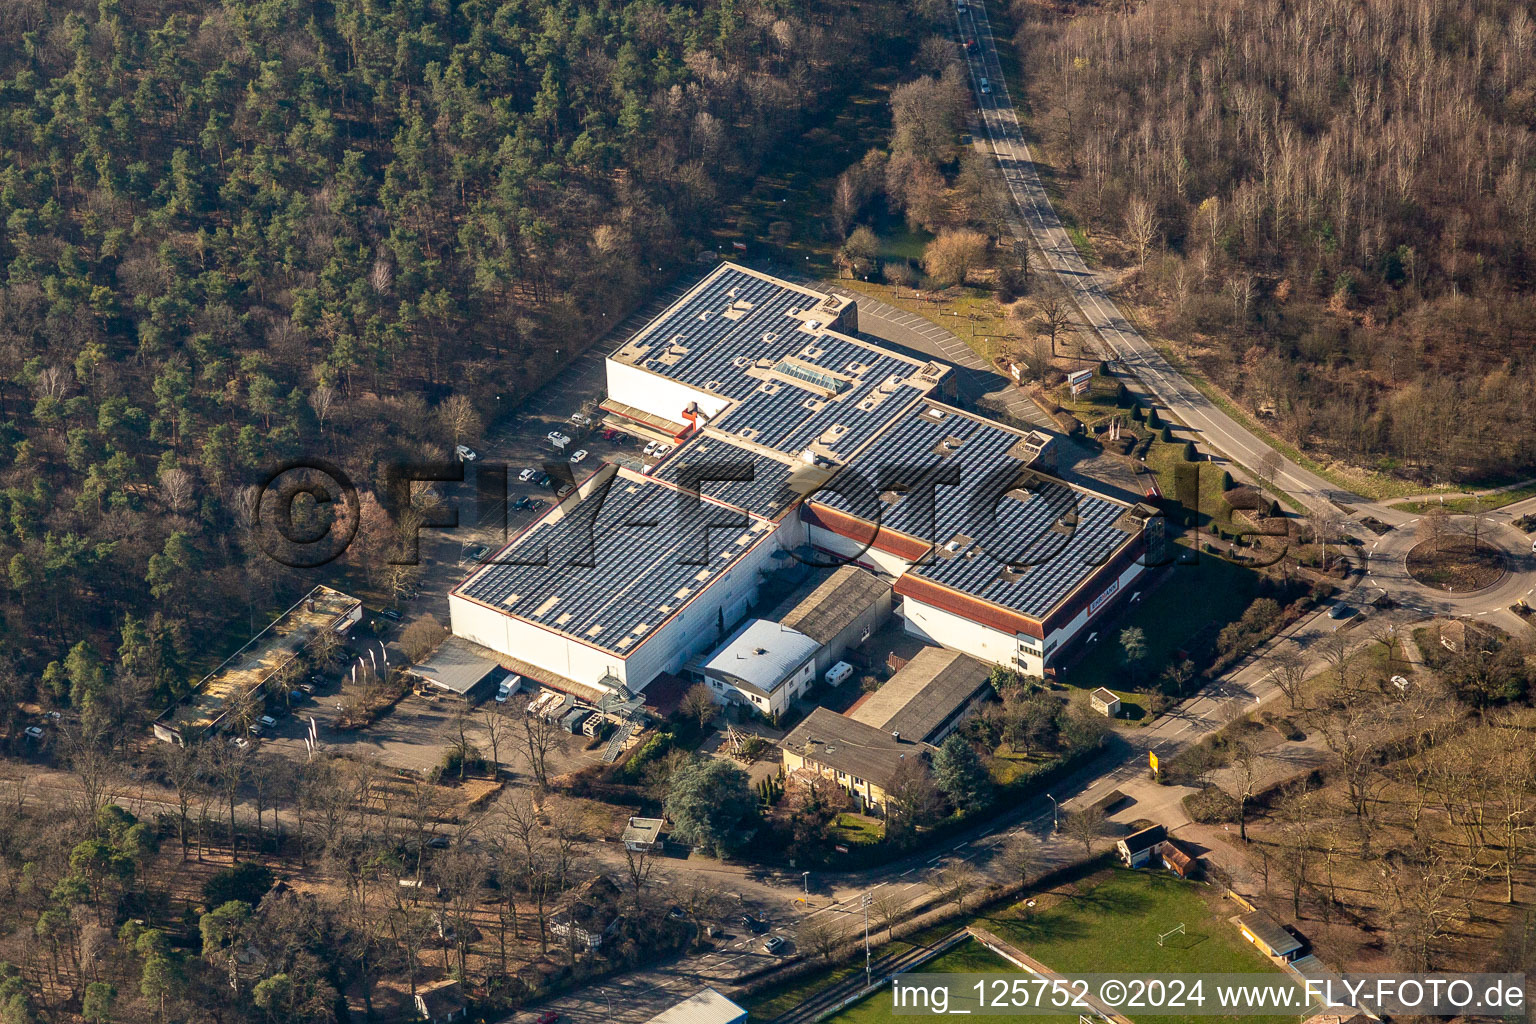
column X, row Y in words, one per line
column 457, row 665
column 760, row 655
column 266, row 652
column 705, row 459
column 705, row 1007
column 1264, row 928
column 846, row 745
column 925, row 694
column 643, row 830
column 835, row 603
column 1001, row 531
column 793, row 381
column 608, row 569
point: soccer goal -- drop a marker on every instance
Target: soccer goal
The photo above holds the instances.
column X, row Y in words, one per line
column 1177, row 929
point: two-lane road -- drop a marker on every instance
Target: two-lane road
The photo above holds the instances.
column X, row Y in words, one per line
column 1120, row 340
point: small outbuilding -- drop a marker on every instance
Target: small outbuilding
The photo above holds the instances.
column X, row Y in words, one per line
column 1105, row 702
column 704, row 1007
column 642, row 835
column 461, row 668
column 1272, row 940
column 442, row 1002
column 1140, row 848
column 1179, row 860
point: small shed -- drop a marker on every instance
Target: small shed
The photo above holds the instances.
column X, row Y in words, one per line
column 643, row 834
column 1178, row 860
column 1139, row 848
column 441, row 1002
column 703, row 1007
column 1105, row 702
column 1273, row 940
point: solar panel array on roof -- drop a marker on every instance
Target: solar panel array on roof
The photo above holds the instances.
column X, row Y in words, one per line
column 1043, row 542
column 766, row 494
column 734, row 320
column 788, row 418
column 1002, row 532
column 616, row 566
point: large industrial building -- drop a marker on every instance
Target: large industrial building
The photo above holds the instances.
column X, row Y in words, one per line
column 797, row 440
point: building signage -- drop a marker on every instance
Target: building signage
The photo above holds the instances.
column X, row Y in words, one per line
column 1025, row 640
column 1077, row 377
column 1098, row 602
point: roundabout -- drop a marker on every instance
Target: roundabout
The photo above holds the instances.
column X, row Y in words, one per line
column 1446, row 574
column 1456, row 565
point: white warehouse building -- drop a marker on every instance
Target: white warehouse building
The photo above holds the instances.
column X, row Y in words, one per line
column 635, row 574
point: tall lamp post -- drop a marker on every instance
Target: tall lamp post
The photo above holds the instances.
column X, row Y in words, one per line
column 865, row 901
column 1055, row 819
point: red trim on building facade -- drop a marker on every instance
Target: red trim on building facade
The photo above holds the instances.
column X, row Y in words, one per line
column 973, row 608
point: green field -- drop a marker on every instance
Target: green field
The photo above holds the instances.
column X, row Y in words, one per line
column 1107, row 923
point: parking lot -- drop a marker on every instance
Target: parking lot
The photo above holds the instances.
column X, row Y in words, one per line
column 414, row 735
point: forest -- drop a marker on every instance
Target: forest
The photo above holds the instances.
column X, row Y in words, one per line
column 1329, row 207
column 241, row 231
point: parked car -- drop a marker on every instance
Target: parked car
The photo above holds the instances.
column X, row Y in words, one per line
column 465, row 453
column 1340, row 611
column 240, row 741
column 986, row 86
column 438, row 842
column 578, row 456
column 267, row 722
column 774, row 945
column 522, row 503
column 307, row 689
column 390, row 614
column 297, row 696
column 558, row 439
column 564, row 490
column 547, row 1017
column 753, row 925
column 527, row 475
column 609, row 434
column 581, row 419
column 34, row 732
column 541, row 478
column 676, row 913
column 651, row 446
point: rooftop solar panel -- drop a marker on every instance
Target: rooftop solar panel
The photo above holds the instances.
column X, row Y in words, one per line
column 1001, row 531
column 617, row 565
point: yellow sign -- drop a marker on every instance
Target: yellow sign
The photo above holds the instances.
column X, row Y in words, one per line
column 1152, row 760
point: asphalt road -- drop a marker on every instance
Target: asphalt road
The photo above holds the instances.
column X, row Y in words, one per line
column 1133, row 354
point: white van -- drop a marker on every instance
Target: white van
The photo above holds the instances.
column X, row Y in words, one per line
column 839, row 672
column 510, row 685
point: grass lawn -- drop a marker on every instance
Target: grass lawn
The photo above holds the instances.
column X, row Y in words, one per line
column 970, row 957
column 1470, row 503
column 1109, row 922
column 1105, row 923
column 1006, row 766
column 1220, row 590
column 858, row 829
